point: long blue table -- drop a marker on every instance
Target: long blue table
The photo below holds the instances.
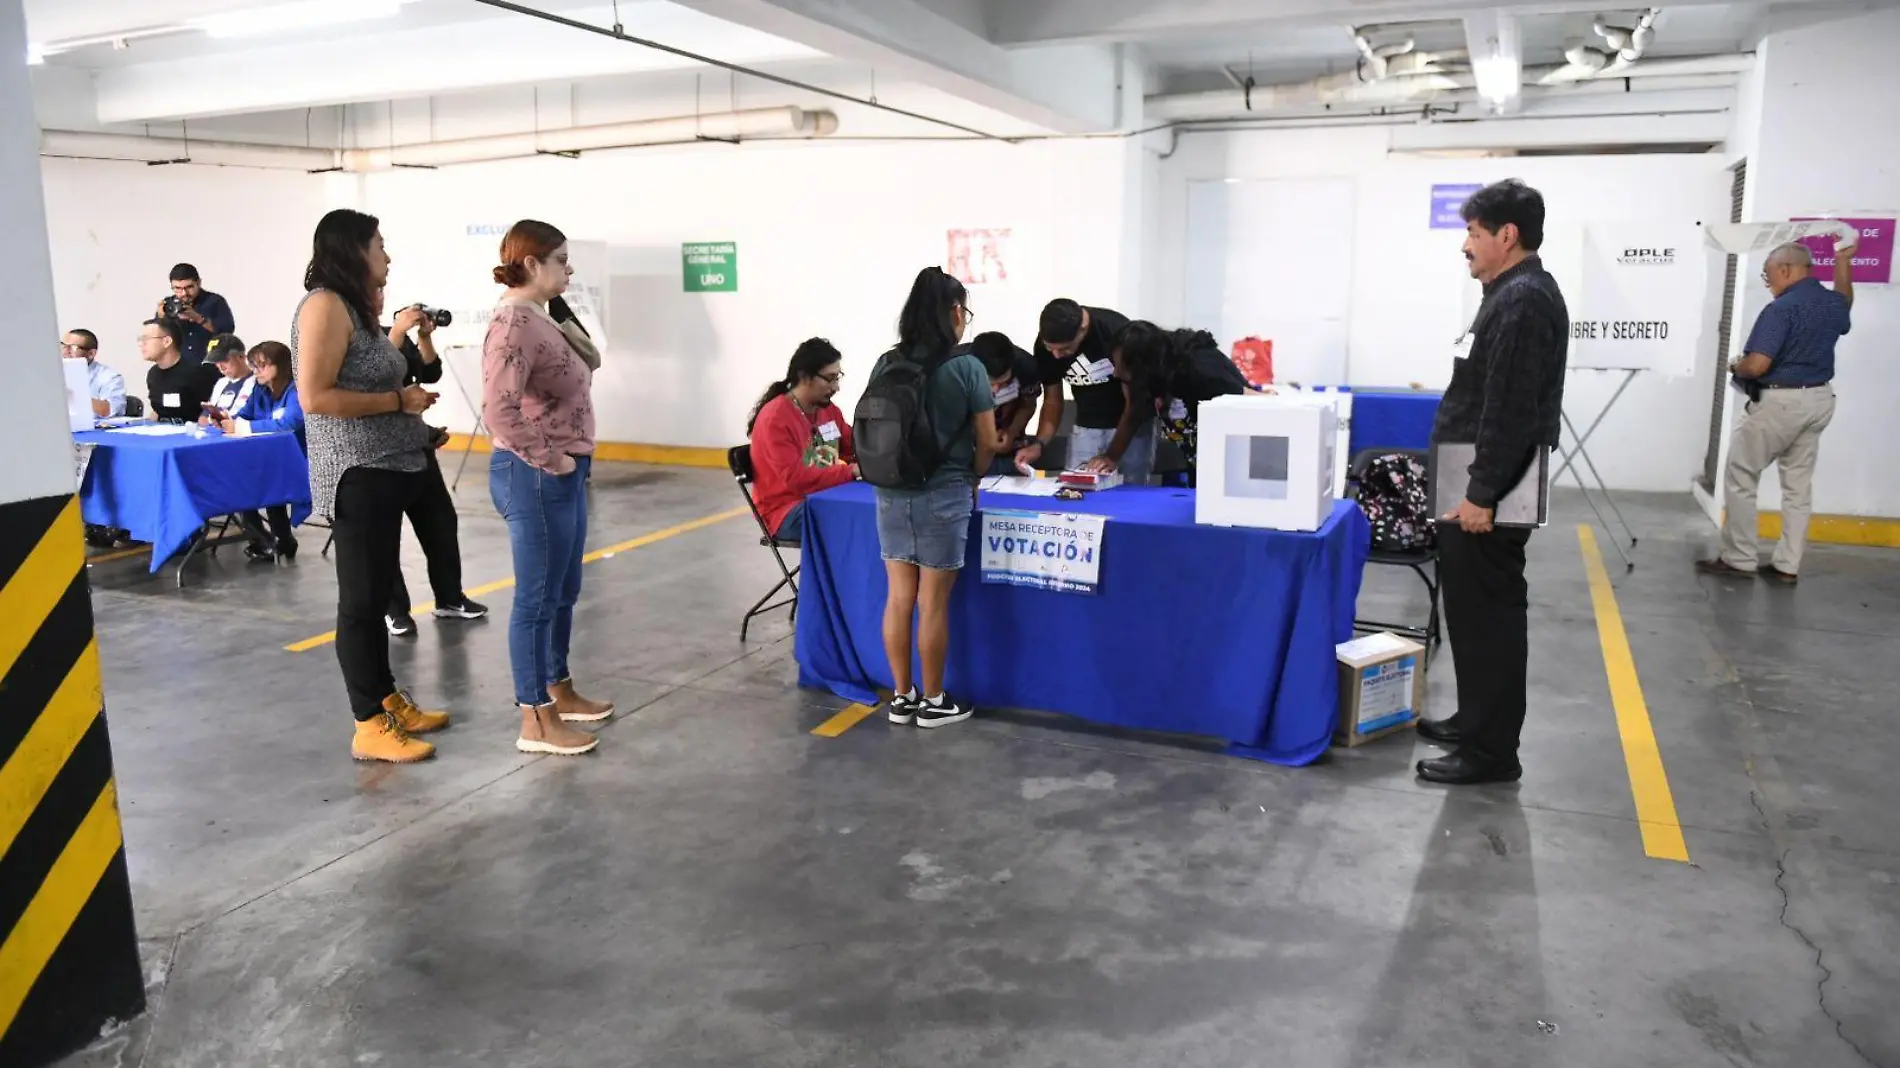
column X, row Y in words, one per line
column 164, row 489
column 1196, row 630
column 1392, row 419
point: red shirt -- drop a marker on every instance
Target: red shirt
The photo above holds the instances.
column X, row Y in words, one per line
column 795, row 455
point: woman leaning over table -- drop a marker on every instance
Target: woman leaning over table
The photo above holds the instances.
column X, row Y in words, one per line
column 368, row 450
column 538, row 406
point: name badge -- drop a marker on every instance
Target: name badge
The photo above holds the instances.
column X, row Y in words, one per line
column 828, row 430
column 1007, row 393
column 170, row 400
column 1178, row 409
column 1102, row 371
column 278, row 413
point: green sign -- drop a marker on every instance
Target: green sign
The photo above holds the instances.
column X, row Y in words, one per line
column 711, row 267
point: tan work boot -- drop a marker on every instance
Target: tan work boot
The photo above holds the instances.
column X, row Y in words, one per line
column 413, row 719
column 543, row 732
column 382, row 738
column 573, row 707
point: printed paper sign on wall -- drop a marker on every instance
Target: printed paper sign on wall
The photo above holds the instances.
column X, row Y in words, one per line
column 1638, row 304
column 1873, row 259
column 978, row 257
column 1044, row 550
column 711, row 267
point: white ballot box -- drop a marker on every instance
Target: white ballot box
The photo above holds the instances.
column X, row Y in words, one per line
column 1266, row 461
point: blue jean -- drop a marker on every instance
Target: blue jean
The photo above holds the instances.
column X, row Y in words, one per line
column 929, row 528
column 547, row 528
column 792, row 527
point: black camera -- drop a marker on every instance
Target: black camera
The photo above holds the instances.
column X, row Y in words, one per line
column 173, row 306
column 440, row 316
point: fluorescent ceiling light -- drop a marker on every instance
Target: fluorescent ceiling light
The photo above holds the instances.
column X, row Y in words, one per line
column 306, row 14
column 1498, row 77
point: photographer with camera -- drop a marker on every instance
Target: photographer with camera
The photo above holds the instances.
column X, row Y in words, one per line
column 431, row 514
column 200, row 314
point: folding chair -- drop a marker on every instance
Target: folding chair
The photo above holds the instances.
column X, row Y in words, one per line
column 1422, row 562
column 739, row 460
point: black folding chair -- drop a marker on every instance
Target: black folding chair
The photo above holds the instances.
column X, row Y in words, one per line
column 1422, row 562
column 739, row 460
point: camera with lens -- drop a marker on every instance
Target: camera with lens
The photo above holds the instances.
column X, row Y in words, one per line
column 439, row 316
column 173, row 306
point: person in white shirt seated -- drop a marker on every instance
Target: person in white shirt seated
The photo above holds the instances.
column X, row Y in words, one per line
column 107, row 385
column 235, row 381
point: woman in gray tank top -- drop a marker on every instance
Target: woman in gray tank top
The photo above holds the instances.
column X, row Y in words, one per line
column 368, row 462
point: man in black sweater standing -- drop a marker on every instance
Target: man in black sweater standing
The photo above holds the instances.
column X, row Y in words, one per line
column 1506, row 397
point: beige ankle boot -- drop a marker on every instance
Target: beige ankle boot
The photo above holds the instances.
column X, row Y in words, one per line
column 543, row 732
column 574, row 708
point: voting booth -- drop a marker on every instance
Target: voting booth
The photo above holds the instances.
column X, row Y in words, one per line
column 1267, row 461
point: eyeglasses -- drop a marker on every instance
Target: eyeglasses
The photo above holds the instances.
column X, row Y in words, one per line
column 833, row 379
column 968, row 315
column 63, row 347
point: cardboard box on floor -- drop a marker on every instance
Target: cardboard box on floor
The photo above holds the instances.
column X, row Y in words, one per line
column 1381, row 687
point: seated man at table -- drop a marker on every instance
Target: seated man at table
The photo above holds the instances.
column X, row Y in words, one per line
column 1176, row 370
column 106, row 385
column 272, row 408
column 175, row 391
column 801, row 442
column 235, row 383
column 1016, row 386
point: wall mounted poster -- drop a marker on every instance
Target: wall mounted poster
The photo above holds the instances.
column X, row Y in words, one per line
column 710, row 266
column 1873, row 258
column 978, row 257
column 1638, row 302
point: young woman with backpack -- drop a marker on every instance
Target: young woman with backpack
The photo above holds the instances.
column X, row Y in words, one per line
column 925, row 426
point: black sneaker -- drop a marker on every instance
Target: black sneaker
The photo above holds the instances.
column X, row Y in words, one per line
column 260, row 554
column 941, row 712
column 463, row 609
column 902, row 708
column 402, row 626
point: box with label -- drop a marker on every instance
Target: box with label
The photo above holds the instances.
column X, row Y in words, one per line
column 1266, row 461
column 1381, row 687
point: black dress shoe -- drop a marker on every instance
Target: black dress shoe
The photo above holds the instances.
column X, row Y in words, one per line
column 1464, row 768
column 1441, row 731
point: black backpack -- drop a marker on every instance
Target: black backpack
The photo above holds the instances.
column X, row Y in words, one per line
column 895, row 439
column 1391, row 492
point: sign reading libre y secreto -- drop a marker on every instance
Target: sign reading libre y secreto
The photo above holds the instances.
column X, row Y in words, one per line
column 711, row 266
column 1044, row 550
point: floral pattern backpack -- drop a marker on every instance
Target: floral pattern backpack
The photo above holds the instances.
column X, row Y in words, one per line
column 1392, row 494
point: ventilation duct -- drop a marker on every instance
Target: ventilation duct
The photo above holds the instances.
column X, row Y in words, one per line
column 1622, row 46
column 759, row 123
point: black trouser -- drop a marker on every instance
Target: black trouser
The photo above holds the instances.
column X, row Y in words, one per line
column 1487, row 610
column 280, row 536
column 367, row 525
column 432, row 514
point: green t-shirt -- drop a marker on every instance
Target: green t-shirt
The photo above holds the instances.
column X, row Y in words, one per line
column 958, row 391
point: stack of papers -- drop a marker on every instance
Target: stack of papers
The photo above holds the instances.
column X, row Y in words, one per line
column 155, row 430
column 1021, row 487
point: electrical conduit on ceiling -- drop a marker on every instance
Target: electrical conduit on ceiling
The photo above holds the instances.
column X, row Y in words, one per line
column 777, row 122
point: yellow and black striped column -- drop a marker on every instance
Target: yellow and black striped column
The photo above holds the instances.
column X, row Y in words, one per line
column 68, row 951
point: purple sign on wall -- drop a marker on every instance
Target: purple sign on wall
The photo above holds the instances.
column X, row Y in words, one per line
column 1873, row 260
column 1447, row 202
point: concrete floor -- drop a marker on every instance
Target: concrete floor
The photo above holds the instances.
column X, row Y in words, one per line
column 717, row 886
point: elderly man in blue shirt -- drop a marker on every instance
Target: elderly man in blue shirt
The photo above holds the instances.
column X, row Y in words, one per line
column 106, row 385
column 1786, row 369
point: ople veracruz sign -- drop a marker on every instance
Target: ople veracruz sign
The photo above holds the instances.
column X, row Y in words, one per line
column 711, row 266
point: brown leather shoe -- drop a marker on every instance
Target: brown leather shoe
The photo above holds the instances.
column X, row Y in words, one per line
column 573, row 708
column 382, row 738
column 543, row 732
column 1786, row 578
column 1719, row 566
column 413, row 718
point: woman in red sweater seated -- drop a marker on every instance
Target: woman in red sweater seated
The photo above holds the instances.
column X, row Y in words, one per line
column 801, row 443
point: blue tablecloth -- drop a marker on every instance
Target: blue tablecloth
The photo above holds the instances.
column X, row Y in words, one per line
column 1392, row 419
column 1198, row 630
column 163, row 489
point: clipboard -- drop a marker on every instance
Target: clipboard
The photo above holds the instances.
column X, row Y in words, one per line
column 1526, row 504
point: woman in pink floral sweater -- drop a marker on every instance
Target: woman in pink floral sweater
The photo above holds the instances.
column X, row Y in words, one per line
column 538, row 406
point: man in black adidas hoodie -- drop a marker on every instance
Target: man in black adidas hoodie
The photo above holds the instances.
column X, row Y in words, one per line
column 1506, row 396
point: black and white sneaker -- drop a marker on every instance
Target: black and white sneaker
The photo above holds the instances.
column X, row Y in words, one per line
column 463, row 609
column 401, row 626
column 941, row 711
column 902, row 708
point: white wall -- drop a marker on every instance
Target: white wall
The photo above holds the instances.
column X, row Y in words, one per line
column 116, row 229
column 830, row 238
column 1409, row 293
column 1830, row 96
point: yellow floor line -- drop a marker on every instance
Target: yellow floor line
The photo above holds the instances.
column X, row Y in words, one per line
column 597, row 555
column 1649, row 784
column 843, row 721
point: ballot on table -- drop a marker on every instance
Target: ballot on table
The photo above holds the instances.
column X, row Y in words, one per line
column 1266, row 461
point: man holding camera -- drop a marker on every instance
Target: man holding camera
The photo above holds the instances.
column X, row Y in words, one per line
column 201, row 314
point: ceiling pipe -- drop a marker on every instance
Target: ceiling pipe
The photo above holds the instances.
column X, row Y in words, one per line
column 737, row 126
column 1622, row 47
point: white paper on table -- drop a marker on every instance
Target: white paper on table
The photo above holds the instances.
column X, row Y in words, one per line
column 1022, row 487
column 155, row 430
column 1740, row 239
column 1370, row 645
